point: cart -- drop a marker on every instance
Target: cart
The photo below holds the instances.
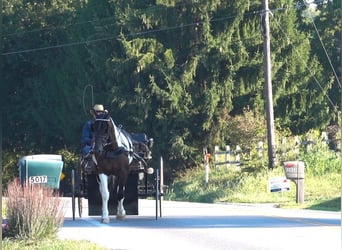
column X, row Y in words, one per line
column 139, row 184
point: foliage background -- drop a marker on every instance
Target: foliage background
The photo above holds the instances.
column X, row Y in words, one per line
column 179, row 71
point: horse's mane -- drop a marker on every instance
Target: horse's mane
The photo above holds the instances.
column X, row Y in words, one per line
column 111, row 128
column 117, row 136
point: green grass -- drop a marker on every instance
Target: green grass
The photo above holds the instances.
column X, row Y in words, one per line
column 232, row 186
column 327, row 205
column 248, row 185
column 10, row 244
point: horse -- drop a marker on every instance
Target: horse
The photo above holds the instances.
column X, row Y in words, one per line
column 112, row 153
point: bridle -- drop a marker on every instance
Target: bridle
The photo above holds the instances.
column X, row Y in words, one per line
column 104, row 137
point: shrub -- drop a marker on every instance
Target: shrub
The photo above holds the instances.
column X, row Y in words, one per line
column 318, row 157
column 33, row 211
column 246, row 130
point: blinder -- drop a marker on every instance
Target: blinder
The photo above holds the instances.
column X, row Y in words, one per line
column 101, row 128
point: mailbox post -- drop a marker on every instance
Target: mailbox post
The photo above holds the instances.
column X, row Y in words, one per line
column 295, row 171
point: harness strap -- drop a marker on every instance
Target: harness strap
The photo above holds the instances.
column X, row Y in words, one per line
column 139, row 158
column 116, row 153
column 122, row 137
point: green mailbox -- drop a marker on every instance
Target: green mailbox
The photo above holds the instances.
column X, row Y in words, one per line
column 43, row 169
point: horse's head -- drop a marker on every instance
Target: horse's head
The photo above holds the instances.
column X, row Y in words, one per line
column 103, row 134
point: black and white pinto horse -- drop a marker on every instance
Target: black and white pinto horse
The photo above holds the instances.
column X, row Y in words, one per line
column 113, row 153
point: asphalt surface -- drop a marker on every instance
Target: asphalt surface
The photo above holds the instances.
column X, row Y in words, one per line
column 201, row 226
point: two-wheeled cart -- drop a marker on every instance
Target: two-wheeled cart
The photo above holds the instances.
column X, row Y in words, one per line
column 139, row 184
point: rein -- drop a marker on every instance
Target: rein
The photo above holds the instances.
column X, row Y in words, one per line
column 107, row 144
column 107, row 137
column 102, row 120
column 112, row 137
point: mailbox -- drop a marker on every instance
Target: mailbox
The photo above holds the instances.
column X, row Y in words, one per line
column 294, row 169
column 43, row 169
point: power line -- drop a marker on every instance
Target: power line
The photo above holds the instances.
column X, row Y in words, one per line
column 115, row 37
column 307, row 67
column 325, row 51
column 90, row 21
column 296, row 6
column 111, row 17
column 111, row 37
column 51, row 28
column 128, row 35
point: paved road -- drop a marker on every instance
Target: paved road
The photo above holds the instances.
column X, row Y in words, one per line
column 210, row 226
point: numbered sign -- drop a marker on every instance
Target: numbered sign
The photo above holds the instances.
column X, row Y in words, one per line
column 38, row 179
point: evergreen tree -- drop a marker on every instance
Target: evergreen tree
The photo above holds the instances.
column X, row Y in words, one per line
column 176, row 70
column 322, row 20
column 35, row 96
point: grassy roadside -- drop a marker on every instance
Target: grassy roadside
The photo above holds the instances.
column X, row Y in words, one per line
column 36, row 214
column 47, row 244
column 229, row 185
column 225, row 185
column 9, row 244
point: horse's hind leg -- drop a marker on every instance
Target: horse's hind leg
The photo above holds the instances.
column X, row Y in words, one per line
column 103, row 186
column 121, row 213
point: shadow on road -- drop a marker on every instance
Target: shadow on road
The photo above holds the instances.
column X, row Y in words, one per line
column 203, row 222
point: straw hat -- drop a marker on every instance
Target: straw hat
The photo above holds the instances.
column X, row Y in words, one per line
column 97, row 108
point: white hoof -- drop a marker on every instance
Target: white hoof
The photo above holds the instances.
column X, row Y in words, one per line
column 105, row 220
column 150, row 171
column 120, row 216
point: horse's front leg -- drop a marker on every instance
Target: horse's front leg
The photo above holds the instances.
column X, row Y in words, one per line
column 103, row 186
column 121, row 213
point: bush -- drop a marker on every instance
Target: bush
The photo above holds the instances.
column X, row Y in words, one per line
column 318, row 157
column 33, row 212
column 250, row 183
column 246, row 130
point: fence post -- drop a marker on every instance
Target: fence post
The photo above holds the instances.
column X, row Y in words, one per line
column 206, row 166
column 325, row 140
column 227, row 156
column 216, row 156
column 237, row 157
column 260, row 148
column 309, row 142
column 207, row 169
column 297, row 145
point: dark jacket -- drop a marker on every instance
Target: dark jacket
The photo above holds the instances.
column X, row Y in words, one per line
column 87, row 134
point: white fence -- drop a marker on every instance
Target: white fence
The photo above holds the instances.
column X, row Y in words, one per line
column 227, row 157
column 287, row 149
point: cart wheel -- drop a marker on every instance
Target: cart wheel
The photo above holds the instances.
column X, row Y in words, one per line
column 161, row 185
column 157, row 192
column 79, row 187
column 80, row 206
column 160, row 200
column 73, row 193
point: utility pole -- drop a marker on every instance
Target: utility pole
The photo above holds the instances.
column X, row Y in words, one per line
column 272, row 162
